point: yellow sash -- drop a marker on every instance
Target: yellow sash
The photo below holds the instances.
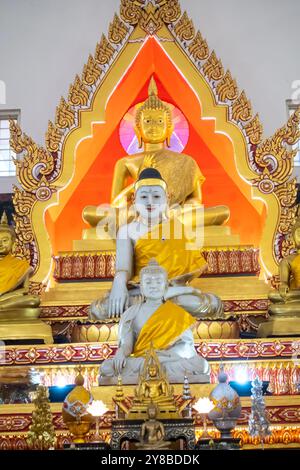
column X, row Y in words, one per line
column 162, row 329
column 11, row 272
column 295, row 266
column 170, row 252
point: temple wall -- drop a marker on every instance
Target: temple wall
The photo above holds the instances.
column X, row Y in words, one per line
column 43, row 44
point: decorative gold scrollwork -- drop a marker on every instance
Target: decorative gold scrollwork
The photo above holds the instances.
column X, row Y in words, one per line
column 227, row 88
column 91, row 71
column 184, row 28
column 104, row 51
column 254, row 130
column 52, row 138
column 78, row 93
column 213, row 68
column 65, row 115
column 198, row 48
column 241, row 108
column 117, row 30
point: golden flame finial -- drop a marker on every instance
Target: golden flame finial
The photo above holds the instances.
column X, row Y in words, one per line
column 152, row 89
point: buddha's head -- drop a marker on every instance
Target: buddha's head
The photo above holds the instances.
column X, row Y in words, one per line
column 7, row 236
column 153, row 371
column 150, row 196
column 153, row 281
column 153, row 121
column 296, row 233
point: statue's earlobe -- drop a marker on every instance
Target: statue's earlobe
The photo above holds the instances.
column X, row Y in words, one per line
column 139, row 136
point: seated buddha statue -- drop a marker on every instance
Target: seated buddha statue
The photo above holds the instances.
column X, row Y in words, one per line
column 154, row 234
column 286, row 300
column 152, row 431
column 15, row 299
column 153, row 128
column 154, row 323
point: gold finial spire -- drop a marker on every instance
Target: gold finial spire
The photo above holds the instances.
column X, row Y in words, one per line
column 152, row 89
column 4, row 220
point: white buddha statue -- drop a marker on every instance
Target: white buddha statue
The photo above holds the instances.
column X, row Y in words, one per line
column 159, row 324
column 153, row 233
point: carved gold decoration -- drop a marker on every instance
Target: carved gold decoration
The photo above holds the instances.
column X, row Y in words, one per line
column 150, row 17
column 65, row 115
column 104, row 51
column 254, row 130
column 53, row 137
column 213, row 68
column 184, row 28
column 198, row 48
column 227, row 88
column 78, row 93
column 241, row 108
column 91, row 72
column 117, row 30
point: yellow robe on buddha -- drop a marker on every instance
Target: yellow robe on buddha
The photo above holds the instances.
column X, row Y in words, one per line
column 12, row 270
column 163, row 328
column 170, row 252
column 295, row 268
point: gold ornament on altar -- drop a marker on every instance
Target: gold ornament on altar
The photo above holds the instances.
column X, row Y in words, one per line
column 41, row 433
column 153, row 387
column 75, row 411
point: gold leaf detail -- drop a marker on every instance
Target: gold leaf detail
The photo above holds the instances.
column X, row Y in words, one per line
column 198, row 48
column 53, row 137
column 184, row 28
column 78, row 93
column 65, row 115
column 117, row 30
column 130, row 11
column 241, row 108
column 254, row 130
column 104, row 51
column 23, row 202
column 227, row 88
column 170, row 10
column 213, row 68
column 91, row 71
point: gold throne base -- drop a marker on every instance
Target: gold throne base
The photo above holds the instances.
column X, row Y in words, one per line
column 24, row 324
column 279, row 326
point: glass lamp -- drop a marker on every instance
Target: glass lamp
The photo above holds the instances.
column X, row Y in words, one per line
column 203, row 406
column 97, row 409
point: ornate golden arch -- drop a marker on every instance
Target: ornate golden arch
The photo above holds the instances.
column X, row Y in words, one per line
column 266, row 165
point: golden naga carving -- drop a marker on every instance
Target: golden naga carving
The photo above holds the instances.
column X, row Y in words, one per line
column 104, row 51
column 91, row 72
column 213, row 68
column 241, row 108
column 184, row 28
column 198, row 48
column 78, row 93
column 227, row 88
column 117, row 30
column 65, row 115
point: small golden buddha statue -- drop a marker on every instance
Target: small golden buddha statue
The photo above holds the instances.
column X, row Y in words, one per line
column 154, row 387
column 153, row 128
column 14, row 278
column 285, row 302
column 153, row 431
column 19, row 309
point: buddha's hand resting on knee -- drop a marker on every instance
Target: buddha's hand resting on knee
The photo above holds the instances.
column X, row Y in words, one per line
column 119, row 361
column 283, row 291
column 118, row 298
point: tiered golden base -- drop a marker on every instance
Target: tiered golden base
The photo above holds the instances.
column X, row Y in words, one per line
column 280, row 326
column 24, row 326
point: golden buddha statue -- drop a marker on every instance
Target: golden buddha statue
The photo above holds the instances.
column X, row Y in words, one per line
column 153, row 128
column 285, row 302
column 152, row 431
column 18, row 307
